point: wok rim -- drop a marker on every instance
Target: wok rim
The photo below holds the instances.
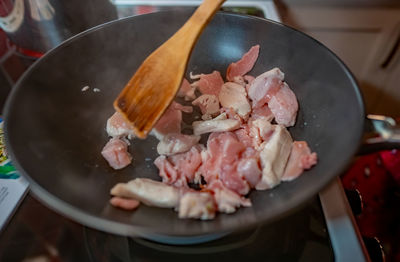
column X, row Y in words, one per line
column 111, row 226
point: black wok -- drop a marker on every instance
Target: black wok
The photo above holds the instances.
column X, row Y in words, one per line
column 55, row 132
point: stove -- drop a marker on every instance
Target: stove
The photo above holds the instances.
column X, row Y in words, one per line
column 322, row 230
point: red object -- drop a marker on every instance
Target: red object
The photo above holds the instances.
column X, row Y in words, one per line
column 29, row 53
column 377, row 178
column 6, row 6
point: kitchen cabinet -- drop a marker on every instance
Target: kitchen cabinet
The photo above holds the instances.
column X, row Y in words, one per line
column 366, row 39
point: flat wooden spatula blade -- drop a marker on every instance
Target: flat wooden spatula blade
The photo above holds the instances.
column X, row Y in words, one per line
column 154, row 85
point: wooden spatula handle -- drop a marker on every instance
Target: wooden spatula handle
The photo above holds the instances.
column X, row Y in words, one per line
column 154, row 85
column 200, row 18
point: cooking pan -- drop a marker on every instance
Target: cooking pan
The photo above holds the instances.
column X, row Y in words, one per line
column 55, row 131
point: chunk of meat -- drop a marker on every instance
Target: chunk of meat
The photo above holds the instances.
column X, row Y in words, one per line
column 243, row 134
column 124, row 203
column 149, row 192
column 176, row 143
column 255, row 132
column 249, row 79
column 227, row 200
column 180, row 169
column 209, row 84
column 273, row 157
column 169, row 173
column 233, row 95
column 244, row 65
column 284, row 106
column 265, row 86
column 262, row 112
column 117, row 126
column 186, row 90
column 116, row 153
column 262, row 128
column 199, row 205
column 239, row 80
column 300, row 159
column 170, row 121
column 231, row 114
column 208, row 104
column 223, row 154
column 185, row 109
column 248, row 167
column 215, row 125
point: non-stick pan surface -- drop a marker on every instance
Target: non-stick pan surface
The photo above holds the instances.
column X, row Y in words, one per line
column 55, row 132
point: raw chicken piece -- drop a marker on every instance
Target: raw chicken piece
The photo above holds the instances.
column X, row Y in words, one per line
column 116, row 153
column 197, row 205
column 265, row 86
column 262, row 128
column 243, row 134
column 208, row 104
column 149, row 192
column 227, row 200
column 244, row 65
column 300, row 159
column 223, row 154
column 185, row 109
column 209, row 83
column 255, row 132
column 273, row 157
column 182, row 168
column 194, row 77
column 117, row 126
column 169, row 173
column 187, row 91
column 233, row 95
column 262, row 112
column 176, row 143
column 124, row 203
column 215, row 125
column 239, row 80
column 231, row 114
column 284, row 106
column 248, row 166
column 249, row 79
column 170, row 121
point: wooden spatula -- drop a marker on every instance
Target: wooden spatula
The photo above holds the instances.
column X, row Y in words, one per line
column 154, row 85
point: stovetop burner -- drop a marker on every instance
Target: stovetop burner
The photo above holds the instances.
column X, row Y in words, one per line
column 299, row 237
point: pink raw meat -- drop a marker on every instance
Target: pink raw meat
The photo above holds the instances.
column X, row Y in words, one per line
column 244, row 65
column 284, row 106
column 208, row 104
column 248, row 166
column 243, row 134
column 227, row 200
column 180, row 169
column 124, row 203
column 210, row 83
column 116, row 153
column 262, row 112
column 224, row 151
column 265, row 86
column 186, row 90
column 117, row 126
column 300, row 159
column 170, row 121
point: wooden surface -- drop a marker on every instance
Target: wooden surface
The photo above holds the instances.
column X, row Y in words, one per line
column 155, row 83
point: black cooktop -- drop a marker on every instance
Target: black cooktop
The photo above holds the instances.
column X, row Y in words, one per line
column 36, row 231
